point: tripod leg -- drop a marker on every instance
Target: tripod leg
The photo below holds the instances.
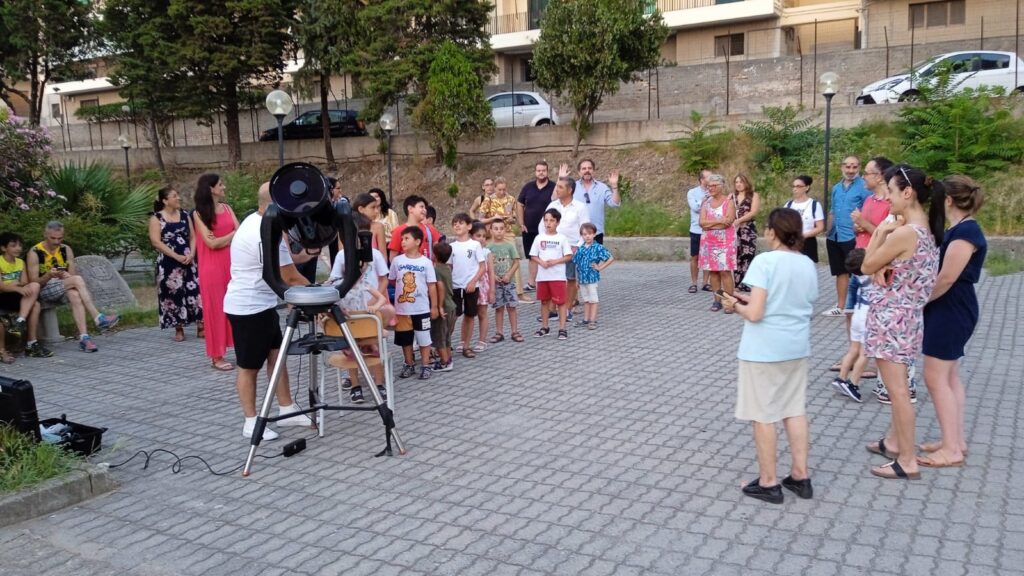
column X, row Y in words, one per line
column 372, row 387
column 261, row 418
column 316, row 389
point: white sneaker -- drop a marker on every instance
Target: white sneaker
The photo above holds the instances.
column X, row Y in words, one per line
column 268, row 432
column 297, row 420
column 834, row 312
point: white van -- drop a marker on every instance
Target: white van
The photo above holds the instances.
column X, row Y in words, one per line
column 971, row 69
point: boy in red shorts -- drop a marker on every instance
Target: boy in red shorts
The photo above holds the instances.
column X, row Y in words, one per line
column 551, row 251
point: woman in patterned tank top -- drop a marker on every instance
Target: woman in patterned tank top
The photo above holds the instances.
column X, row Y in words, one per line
column 903, row 256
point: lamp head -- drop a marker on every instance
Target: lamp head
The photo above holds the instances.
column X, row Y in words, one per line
column 387, row 122
column 123, row 142
column 828, row 83
column 279, row 103
column 126, row 108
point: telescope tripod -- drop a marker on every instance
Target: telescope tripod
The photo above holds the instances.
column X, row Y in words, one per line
column 314, row 344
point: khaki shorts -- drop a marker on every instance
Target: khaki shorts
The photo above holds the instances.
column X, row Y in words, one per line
column 768, row 392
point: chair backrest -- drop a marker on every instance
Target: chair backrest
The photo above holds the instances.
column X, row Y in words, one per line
column 361, row 328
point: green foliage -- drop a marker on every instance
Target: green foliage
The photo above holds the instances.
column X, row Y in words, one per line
column 454, row 105
column 41, row 40
column 104, row 113
column 642, row 218
column 973, row 132
column 781, row 137
column 394, row 57
column 586, row 49
column 25, row 462
column 24, row 155
column 705, row 145
column 453, row 190
column 1001, row 263
column 241, row 192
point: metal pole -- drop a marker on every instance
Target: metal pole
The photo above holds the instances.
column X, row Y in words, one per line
column 127, row 169
column 981, row 43
column 280, row 140
column 828, row 135
column 1016, row 45
column 657, row 93
column 391, row 195
column 885, row 33
column 814, row 74
column 648, row 93
column 912, row 29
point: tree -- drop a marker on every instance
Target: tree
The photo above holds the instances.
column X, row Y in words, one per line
column 40, row 40
column 328, row 33
column 587, row 47
column 224, row 47
column 402, row 38
column 454, row 105
column 143, row 37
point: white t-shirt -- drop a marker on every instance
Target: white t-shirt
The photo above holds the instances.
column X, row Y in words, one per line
column 412, row 277
column 805, row 209
column 379, row 266
column 551, row 247
column 467, row 255
column 359, row 297
column 573, row 215
column 247, row 292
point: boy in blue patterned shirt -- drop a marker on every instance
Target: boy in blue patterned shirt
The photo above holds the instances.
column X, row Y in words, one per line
column 590, row 259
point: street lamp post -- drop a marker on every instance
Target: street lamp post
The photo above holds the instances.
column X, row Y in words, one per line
column 387, row 124
column 123, row 142
column 279, row 104
column 126, row 110
column 829, row 84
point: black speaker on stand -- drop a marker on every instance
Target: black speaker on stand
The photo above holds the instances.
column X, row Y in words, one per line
column 18, row 406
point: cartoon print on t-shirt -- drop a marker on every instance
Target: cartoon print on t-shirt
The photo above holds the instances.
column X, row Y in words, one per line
column 408, row 287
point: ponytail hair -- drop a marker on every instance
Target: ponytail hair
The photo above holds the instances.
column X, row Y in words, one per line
column 788, row 227
column 927, row 191
column 161, row 197
column 965, row 193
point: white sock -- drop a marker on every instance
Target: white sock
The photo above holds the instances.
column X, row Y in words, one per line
column 30, row 343
column 83, row 336
column 20, row 319
column 99, row 317
column 250, row 423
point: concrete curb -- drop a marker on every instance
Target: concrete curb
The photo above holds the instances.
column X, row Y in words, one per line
column 82, row 483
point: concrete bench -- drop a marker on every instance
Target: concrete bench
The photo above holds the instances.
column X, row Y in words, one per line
column 49, row 329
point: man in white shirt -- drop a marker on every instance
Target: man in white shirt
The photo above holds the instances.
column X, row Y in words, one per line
column 695, row 198
column 250, row 305
column 596, row 194
column 574, row 213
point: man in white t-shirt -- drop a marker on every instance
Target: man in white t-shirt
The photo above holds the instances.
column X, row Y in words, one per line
column 574, row 213
column 695, row 198
column 250, row 305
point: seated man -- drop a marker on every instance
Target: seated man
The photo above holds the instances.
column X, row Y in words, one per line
column 18, row 300
column 51, row 264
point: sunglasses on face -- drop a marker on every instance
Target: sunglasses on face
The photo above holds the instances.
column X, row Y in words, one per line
column 586, row 196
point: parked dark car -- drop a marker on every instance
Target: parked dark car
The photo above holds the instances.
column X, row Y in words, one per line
column 307, row 125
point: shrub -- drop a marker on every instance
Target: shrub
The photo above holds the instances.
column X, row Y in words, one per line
column 242, row 189
column 782, row 137
column 705, row 145
column 24, row 154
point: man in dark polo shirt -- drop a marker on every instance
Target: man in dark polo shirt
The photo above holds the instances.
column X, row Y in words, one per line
column 532, row 202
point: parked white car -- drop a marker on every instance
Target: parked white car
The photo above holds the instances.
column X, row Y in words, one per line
column 971, row 69
column 512, row 109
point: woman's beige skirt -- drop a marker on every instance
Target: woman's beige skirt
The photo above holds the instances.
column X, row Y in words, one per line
column 767, row 392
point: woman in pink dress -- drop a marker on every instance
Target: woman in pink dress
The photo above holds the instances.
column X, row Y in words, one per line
column 215, row 224
column 718, row 242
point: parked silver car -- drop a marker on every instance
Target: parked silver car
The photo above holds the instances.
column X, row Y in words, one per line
column 511, row 109
column 970, row 69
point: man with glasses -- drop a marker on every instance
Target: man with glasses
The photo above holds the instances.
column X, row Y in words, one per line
column 695, row 199
column 596, row 194
column 51, row 264
column 530, row 206
column 847, row 195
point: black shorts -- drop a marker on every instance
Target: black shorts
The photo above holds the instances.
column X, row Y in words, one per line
column 694, row 245
column 837, row 253
column 810, row 248
column 413, row 329
column 465, row 302
column 528, row 238
column 10, row 301
column 256, row 335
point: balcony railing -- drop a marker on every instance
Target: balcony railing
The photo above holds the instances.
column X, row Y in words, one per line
column 523, row 21
column 508, row 23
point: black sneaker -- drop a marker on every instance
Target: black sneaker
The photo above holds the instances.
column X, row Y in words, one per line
column 772, row 494
column 425, row 373
column 850, row 389
column 408, row 371
column 383, row 392
column 17, row 327
column 801, row 488
column 443, row 367
column 357, row 395
column 37, row 350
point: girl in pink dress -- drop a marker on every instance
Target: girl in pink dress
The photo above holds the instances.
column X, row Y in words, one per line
column 903, row 256
column 718, row 242
column 215, row 224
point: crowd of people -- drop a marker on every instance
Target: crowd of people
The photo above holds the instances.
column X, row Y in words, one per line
column 904, row 287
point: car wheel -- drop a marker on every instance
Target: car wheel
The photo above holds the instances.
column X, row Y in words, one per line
column 910, row 96
column 543, row 122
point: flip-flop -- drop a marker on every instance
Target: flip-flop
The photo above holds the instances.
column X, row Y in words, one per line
column 838, row 366
column 880, row 449
column 893, row 471
column 931, row 462
column 223, row 366
column 868, row 374
column 935, row 447
column 6, row 358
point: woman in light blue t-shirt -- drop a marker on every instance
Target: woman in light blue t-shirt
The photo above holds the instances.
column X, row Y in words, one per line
column 773, row 351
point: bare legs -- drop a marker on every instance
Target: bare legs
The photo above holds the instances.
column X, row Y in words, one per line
column 245, row 382
column 900, row 438
column 80, row 302
column 499, row 320
column 842, row 285
column 943, row 380
column 765, row 441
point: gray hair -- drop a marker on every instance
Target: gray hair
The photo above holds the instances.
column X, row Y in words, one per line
column 716, row 178
column 54, row 225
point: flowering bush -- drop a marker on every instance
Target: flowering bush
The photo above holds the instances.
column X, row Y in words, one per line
column 24, row 156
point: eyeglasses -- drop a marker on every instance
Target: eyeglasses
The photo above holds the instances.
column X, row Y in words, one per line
column 851, row 165
column 799, row 185
column 586, row 196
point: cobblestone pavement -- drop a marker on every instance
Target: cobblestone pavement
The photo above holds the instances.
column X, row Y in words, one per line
column 615, row 452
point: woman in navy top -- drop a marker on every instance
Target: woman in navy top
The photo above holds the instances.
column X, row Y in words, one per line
column 950, row 318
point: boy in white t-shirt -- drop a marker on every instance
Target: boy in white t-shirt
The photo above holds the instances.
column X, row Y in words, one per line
column 415, row 304
column 468, row 267
column 551, row 251
column 853, row 363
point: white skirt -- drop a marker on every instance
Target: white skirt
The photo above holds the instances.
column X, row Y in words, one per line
column 768, row 392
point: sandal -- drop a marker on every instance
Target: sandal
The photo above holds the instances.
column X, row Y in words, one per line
column 222, row 365
column 468, row 353
column 542, row 332
column 179, row 334
column 706, row 287
column 716, row 307
column 880, row 449
column 692, row 289
column 929, row 461
column 200, row 330
column 480, row 346
column 517, row 337
column 6, row 357
column 868, row 374
column 838, row 366
column 935, row 447
column 893, row 471
column 497, row 338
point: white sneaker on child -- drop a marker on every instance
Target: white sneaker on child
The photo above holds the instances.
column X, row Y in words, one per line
column 249, row 427
column 297, row 420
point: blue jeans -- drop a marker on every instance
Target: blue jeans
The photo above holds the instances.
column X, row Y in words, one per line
column 851, row 294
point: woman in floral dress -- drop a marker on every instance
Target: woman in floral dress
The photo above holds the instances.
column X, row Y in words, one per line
column 748, row 203
column 718, row 242
column 903, row 257
column 171, row 233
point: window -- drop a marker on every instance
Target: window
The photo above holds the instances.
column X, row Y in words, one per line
column 526, row 100
column 502, row 101
column 527, row 64
column 995, row 62
column 938, row 14
column 729, row 45
column 55, row 111
column 90, row 102
column 308, row 119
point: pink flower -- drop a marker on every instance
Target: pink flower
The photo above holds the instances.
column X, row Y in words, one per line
column 24, row 207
